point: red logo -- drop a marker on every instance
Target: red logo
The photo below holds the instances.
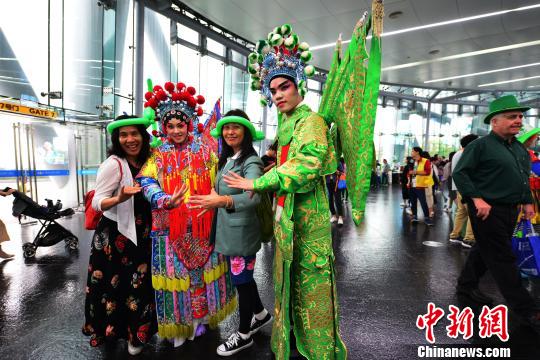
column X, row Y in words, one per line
column 490, row 322
column 460, row 322
column 494, row 322
column 429, row 320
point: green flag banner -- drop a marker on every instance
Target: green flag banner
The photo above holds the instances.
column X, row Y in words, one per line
column 349, row 101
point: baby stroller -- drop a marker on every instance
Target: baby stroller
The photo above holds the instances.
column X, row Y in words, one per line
column 51, row 232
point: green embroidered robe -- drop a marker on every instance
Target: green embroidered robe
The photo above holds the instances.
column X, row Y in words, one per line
column 304, row 280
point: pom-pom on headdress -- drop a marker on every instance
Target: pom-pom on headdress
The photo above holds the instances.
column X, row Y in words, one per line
column 281, row 53
column 174, row 101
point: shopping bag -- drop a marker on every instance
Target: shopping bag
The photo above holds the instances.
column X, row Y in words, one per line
column 526, row 247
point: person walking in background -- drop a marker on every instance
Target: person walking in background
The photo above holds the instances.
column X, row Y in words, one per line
column 447, row 183
column 4, row 236
column 335, row 194
column 404, row 180
column 462, row 215
column 269, row 158
column 493, row 178
column 385, row 170
column 237, row 229
column 420, row 179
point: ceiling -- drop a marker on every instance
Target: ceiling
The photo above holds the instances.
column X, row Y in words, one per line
column 320, row 21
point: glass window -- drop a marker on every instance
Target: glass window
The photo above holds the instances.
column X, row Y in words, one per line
column 157, row 50
column 22, row 73
column 83, row 55
column 238, row 58
column 312, row 99
column 123, row 71
column 211, row 80
column 188, row 34
column 215, row 47
column 314, row 85
column 188, row 66
column 235, row 90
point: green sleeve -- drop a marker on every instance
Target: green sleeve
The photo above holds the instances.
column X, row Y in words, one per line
column 466, row 165
column 305, row 166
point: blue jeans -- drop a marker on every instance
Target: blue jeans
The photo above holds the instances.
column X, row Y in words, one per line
column 419, row 194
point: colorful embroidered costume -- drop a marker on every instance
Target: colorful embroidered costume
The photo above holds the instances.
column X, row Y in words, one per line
column 304, row 277
column 191, row 280
column 304, row 282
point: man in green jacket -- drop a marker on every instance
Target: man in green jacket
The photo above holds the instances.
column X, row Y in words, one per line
column 306, row 305
column 493, row 178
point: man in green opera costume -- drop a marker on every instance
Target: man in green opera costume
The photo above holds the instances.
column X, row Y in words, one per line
column 306, row 304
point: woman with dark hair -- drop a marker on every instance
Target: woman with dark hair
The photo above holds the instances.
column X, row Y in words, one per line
column 237, row 228
column 119, row 297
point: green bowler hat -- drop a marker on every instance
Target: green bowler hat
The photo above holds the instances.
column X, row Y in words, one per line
column 147, row 120
column 526, row 134
column 256, row 134
column 504, row 104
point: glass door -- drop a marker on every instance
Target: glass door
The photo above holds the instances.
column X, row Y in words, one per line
column 48, row 160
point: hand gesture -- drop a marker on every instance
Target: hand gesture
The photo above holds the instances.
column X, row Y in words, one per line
column 236, row 181
column 9, row 191
column 210, row 201
column 127, row 192
column 178, row 195
column 528, row 211
column 482, row 207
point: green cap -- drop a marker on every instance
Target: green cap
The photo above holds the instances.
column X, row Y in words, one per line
column 256, row 134
column 504, row 104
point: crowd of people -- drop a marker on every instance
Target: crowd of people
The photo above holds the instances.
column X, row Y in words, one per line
column 491, row 180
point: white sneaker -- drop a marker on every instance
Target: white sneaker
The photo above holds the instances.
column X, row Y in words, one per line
column 408, row 211
column 340, row 221
column 403, row 204
column 178, row 341
column 134, row 350
column 333, row 219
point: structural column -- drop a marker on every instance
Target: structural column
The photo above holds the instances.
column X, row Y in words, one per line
column 426, row 135
column 138, row 86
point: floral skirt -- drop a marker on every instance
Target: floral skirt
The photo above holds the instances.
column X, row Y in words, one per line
column 119, row 295
column 242, row 268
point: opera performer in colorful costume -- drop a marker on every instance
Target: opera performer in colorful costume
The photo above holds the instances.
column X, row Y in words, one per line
column 191, row 281
column 306, row 305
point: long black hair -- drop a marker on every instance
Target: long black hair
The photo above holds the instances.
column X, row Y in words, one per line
column 246, row 147
column 116, row 148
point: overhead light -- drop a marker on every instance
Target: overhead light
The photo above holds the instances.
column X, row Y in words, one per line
column 533, row 86
column 442, row 23
column 482, row 73
column 464, row 55
column 510, row 81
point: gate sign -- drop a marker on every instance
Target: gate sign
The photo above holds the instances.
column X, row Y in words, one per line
column 26, row 110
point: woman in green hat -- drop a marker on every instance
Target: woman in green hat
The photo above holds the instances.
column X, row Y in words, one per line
column 236, row 228
column 119, row 300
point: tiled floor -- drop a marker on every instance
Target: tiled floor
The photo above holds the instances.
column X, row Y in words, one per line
column 386, row 277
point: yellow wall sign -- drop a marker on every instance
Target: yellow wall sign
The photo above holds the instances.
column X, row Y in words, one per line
column 21, row 109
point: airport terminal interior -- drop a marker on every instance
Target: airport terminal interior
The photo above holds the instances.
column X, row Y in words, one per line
column 69, row 68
